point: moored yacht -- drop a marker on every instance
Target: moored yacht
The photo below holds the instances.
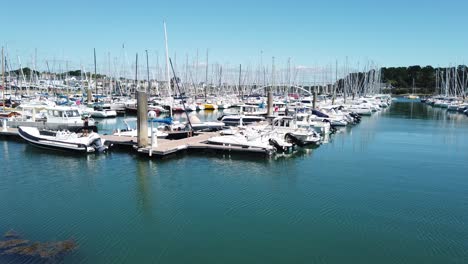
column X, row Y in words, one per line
column 54, row 118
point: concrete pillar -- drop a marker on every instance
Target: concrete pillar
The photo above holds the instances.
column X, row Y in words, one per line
column 142, row 119
column 270, row 103
column 90, row 96
column 4, row 125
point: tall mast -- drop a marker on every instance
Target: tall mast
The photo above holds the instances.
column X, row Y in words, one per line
column 168, row 78
column 261, row 67
column 196, row 71
column 186, row 70
column 289, row 79
column 95, row 72
column 335, row 87
column 273, row 74
column 345, row 84
column 157, row 75
column 147, row 73
column 35, row 63
column 136, row 74
column 206, row 73
column 240, row 77
column 66, row 77
column 220, row 78
column 3, row 78
column 109, row 77
column 167, row 70
column 463, row 82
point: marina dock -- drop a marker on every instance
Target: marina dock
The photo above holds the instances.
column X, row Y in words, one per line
column 167, row 147
column 164, row 147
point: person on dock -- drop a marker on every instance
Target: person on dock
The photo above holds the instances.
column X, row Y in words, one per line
column 85, row 126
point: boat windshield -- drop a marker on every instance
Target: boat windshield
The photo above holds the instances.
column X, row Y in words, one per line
column 300, row 118
column 54, row 113
column 72, row 113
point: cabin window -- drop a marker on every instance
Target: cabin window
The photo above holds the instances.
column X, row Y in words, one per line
column 56, row 113
column 71, row 113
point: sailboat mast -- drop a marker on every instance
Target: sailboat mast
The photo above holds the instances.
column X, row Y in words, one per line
column 147, row 72
column 35, row 64
column 196, row 73
column 167, row 70
column 110, row 75
column 167, row 63
column 345, row 83
column 95, row 72
column 335, row 87
column 206, row 73
column 136, row 74
column 463, row 82
column 186, row 70
column 272, row 74
column 286, row 91
column 240, row 80
column 261, row 68
column 3, row 78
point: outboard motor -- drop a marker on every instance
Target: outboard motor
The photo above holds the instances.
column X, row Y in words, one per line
column 278, row 147
column 97, row 145
column 292, row 139
column 333, row 128
column 356, row 117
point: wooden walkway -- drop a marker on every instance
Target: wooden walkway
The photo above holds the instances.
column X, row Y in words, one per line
column 166, row 147
column 10, row 132
column 120, row 140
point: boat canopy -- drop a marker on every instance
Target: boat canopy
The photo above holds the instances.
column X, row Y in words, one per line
column 167, row 120
column 319, row 114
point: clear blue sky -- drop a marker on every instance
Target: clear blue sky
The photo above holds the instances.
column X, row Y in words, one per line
column 391, row 33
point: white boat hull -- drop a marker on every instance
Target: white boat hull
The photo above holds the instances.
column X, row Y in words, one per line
column 62, row 140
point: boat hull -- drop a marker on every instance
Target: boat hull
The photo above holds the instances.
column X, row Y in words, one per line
column 55, row 144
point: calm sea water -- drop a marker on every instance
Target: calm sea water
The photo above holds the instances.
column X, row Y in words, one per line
column 393, row 189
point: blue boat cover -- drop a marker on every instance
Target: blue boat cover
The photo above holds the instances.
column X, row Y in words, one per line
column 166, row 120
column 319, row 114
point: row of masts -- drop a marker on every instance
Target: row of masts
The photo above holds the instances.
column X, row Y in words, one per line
column 219, row 79
column 452, row 81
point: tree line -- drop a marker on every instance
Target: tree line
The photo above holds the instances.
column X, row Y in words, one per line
column 425, row 80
